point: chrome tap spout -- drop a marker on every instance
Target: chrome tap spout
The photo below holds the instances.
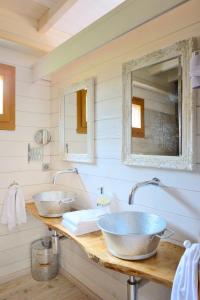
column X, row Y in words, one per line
column 154, row 181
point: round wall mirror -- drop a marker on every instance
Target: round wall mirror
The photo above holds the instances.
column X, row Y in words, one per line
column 42, row 137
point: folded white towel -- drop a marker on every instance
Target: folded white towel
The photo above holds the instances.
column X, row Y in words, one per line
column 85, row 215
column 83, row 221
column 195, row 71
column 185, row 285
column 13, row 211
column 82, row 228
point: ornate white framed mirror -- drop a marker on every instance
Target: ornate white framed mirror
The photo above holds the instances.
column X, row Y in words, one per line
column 158, row 109
column 77, row 122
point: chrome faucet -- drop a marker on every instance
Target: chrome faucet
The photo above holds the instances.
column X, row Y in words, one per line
column 74, row 170
column 154, row 181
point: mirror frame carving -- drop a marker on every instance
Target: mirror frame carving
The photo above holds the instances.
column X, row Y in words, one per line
column 187, row 159
column 79, row 157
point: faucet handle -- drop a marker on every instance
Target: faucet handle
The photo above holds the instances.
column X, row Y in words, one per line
column 156, row 180
column 76, row 170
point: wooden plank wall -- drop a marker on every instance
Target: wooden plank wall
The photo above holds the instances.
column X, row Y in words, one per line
column 32, row 113
column 179, row 202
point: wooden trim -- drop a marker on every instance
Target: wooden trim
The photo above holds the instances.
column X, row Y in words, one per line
column 139, row 132
column 7, row 119
column 81, row 96
column 53, row 14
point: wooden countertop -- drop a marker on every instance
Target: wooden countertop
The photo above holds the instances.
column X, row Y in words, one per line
column 160, row 268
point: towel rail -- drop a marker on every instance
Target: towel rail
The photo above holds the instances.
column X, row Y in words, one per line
column 196, row 52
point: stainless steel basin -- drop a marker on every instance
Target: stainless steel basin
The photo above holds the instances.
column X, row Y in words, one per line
column 53, row 203
column 132, row 235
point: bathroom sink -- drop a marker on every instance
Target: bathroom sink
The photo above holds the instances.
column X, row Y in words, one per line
column 53, row 203
column 133, row 235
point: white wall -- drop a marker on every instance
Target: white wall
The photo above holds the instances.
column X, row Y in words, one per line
column 179, row 202
column 32, row 113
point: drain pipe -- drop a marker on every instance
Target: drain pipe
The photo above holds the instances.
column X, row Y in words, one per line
column 55, row 241
column 55, row 238
column 132, row 288
column 133, row 284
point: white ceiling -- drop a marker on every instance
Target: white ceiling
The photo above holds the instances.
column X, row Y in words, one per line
column 20, row 19
column 83, row 13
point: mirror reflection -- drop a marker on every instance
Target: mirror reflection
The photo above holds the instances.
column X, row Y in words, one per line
column 156, row 109
column 76, row 122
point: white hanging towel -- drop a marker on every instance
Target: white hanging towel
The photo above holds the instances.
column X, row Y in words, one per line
column 13, row 211
column 20, row 207
column 185, row 285
column 195, row 70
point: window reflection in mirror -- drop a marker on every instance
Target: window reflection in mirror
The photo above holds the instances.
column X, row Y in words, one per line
column 76, row 122
column 156, row 109
column 1, row 95
column 81, row 100
column 138, row 117
column 7, row 97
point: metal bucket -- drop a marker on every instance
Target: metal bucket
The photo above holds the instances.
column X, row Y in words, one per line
column 133, row 235
column 53, row 203
column 44, row 261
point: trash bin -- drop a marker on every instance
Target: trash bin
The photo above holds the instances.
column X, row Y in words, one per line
column 44, row 259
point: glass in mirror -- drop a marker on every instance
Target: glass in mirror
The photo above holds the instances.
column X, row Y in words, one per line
column 156, row 109
column 76, row 122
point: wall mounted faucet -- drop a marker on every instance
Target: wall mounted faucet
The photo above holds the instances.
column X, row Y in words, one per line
column 154, row 181
column 73, row 170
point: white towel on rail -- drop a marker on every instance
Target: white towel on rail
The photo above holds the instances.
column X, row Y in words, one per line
column 20, row 207
column 8, row 215
column 185, row 285
column 13, row 211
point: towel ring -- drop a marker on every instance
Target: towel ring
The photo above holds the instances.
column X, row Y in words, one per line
column 197, row 52
column 187, row 244
column 13, row 183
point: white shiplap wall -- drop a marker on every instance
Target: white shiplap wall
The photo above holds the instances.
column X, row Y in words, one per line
column 178, row 202
column 32, row 113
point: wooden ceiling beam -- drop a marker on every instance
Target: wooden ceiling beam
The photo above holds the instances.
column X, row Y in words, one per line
column 53, row 14
column 124, row 18
column 22, row 30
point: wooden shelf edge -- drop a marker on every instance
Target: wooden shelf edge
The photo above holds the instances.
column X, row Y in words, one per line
column 161, row 268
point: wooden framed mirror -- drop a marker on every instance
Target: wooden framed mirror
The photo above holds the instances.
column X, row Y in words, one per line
column 77, row 122
column 158, row 109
